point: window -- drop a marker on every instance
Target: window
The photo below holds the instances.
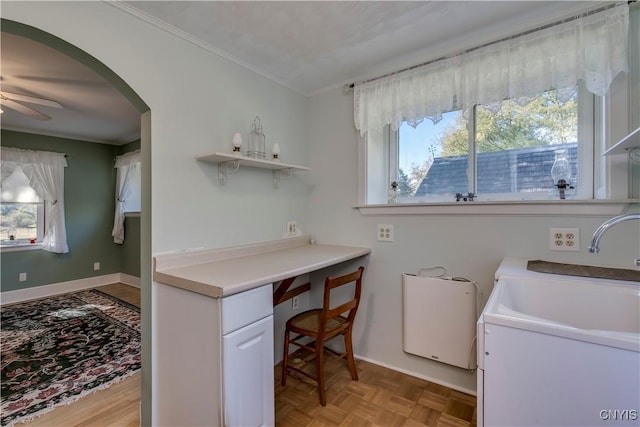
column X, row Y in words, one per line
column 509, row 156
column 32, row 185
column 22, row 211
column 473, row 137
column 132, row 203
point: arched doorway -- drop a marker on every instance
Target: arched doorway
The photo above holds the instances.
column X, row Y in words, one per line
column 97, row 66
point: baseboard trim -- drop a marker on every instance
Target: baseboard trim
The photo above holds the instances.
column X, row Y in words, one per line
column 36, row 292
column 417, row 375
column 130, row 280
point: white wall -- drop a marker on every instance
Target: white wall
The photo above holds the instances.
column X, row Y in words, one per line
column 466, row 246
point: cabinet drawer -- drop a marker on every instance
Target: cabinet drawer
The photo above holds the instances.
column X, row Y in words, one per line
column 242, row 309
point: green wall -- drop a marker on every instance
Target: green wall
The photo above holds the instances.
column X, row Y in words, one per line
column 130, row 253
column 89, row 208
column 130, row 249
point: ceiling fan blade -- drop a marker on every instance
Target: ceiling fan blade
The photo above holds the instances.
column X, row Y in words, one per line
column 31, row 99
column 6, row 102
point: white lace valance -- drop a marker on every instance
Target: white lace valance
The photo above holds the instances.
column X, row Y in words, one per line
column 591, row 49
column 17, row 155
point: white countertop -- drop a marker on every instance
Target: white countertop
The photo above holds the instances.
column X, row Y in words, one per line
column 222, row 272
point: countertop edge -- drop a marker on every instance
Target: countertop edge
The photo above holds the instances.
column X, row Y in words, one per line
column 187, row 285
column 175, row 274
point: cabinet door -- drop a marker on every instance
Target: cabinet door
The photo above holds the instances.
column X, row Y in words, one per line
column 536, row 379
column 248, row 375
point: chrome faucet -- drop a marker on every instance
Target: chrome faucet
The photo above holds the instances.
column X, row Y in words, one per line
column 597, row 235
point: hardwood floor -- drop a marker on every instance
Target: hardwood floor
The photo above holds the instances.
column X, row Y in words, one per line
column 116, row 406
column 127, row 293
column 382, row 397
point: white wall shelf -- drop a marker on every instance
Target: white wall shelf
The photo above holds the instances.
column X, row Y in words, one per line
column 626, row 144
column 223, row 160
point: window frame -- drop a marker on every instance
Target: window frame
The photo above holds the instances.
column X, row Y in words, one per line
column 22, row 244
column 586, row 149
column 137, row 186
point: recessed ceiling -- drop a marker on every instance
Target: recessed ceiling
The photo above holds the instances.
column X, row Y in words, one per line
column 92, row 109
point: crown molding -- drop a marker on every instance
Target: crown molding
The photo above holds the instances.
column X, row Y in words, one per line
column 143, row 16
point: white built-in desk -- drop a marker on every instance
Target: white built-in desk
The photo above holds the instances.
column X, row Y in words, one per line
column 213, row 328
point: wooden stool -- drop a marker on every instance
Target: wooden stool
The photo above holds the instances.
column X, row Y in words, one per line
column 322, row 325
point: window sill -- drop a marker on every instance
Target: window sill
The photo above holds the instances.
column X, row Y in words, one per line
column 20, row 247
column 566, row 207
column 132, row 214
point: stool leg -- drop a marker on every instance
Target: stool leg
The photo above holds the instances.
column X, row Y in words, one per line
column 350, row 360
column 320, row 371
column 285, row 359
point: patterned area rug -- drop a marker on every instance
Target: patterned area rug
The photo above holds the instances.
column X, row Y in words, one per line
column 57, row 349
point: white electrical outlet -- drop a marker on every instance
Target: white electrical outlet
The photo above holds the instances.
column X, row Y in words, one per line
column 295, row 302
column 385, row 232
column 564, row 239
column 22, row 277
column 292, row 228
column 96, row 266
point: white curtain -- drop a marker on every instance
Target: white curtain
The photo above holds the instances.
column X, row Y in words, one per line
column 127, row 165
column 45, row 171
column 591, row 49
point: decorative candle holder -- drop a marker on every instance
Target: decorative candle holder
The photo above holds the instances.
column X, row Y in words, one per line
column 256, row 140
column 237, row 142
column 561, row 173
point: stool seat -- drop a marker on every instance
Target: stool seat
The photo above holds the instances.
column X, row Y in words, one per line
column 309, row 321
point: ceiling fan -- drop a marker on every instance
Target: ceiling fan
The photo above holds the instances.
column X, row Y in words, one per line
column 14, row 101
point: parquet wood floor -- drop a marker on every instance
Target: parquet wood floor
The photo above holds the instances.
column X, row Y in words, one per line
column 382, row 397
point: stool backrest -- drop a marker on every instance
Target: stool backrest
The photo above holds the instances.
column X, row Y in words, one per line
column 351, row 306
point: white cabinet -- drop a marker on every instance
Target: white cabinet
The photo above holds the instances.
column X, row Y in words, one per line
column 248, row 375
column 247, row 358
column 212, row 358
column 212, row 329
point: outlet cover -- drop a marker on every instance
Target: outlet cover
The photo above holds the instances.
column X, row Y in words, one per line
column 564, row 239
column 292, row 228
column 385, row 232
column 22, row 277
column 96, row 266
